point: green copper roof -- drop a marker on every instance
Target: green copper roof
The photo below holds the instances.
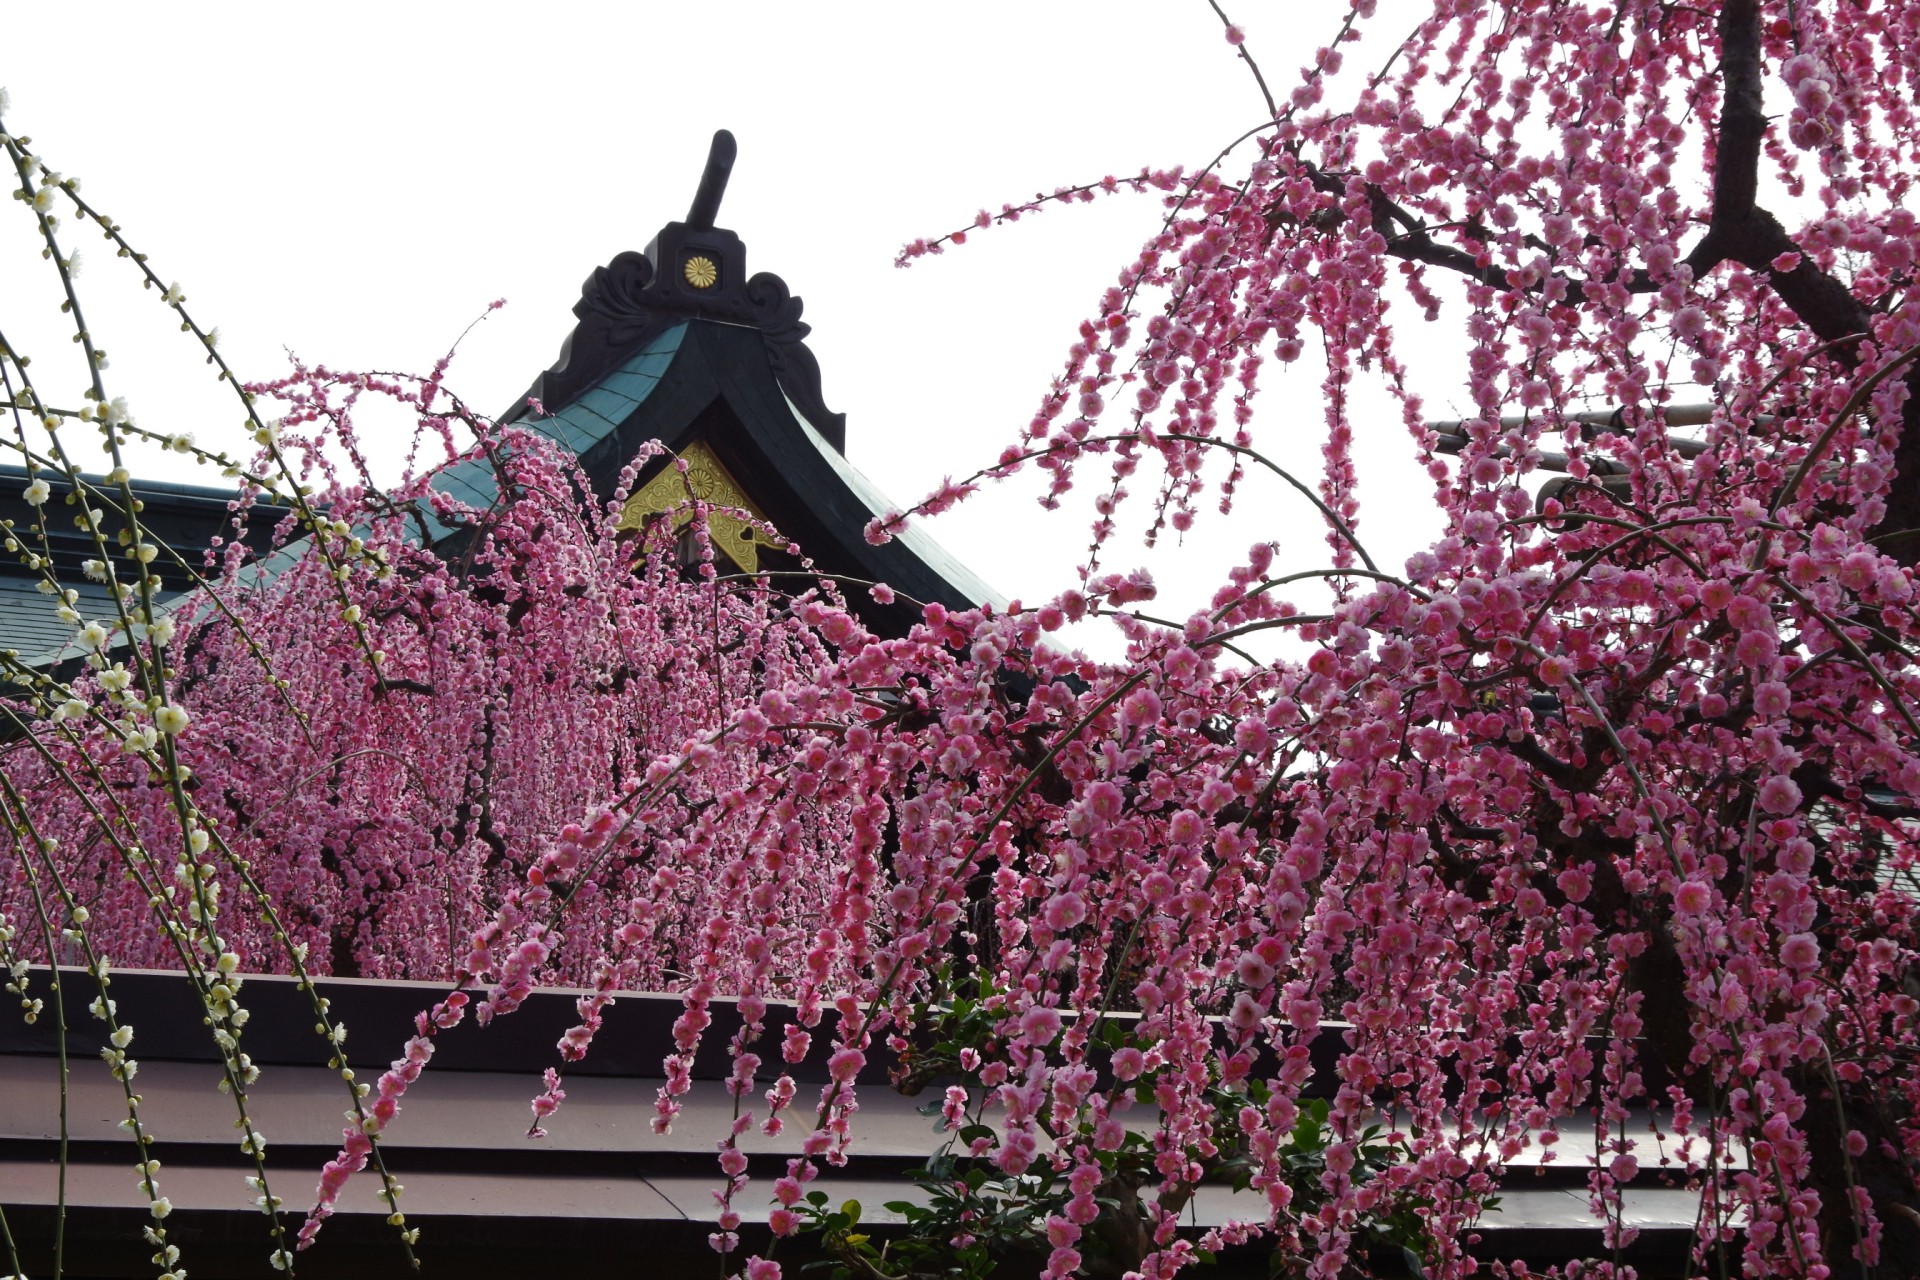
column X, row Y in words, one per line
column 594, row 415
column 577, row 426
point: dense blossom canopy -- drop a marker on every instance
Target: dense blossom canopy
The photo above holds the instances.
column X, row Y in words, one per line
column 1605, row 801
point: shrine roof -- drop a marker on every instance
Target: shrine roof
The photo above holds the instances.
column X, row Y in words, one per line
column 681, row 344
column 677, row 344
column 190, row 519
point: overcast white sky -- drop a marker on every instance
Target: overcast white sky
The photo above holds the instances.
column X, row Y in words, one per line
column 356, row 182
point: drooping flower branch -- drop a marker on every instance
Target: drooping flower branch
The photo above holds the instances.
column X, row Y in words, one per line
column 1606, row 801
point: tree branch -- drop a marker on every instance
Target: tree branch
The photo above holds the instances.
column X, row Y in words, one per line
column 1739, row 230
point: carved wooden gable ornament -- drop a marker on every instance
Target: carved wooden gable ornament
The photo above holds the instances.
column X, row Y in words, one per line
column 671, row 494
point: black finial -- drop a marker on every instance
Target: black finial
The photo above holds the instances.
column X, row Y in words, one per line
column 692, row 270
column 713, row 183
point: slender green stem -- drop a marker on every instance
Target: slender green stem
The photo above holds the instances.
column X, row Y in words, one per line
column 58, row 991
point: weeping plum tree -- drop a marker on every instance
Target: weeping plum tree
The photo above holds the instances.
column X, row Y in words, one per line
column 1604, row 801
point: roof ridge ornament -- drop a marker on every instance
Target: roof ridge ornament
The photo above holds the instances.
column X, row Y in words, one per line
column 693, row 270
column 713, row 182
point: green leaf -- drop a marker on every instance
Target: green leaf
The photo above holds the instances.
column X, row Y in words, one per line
column 852, row 1209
